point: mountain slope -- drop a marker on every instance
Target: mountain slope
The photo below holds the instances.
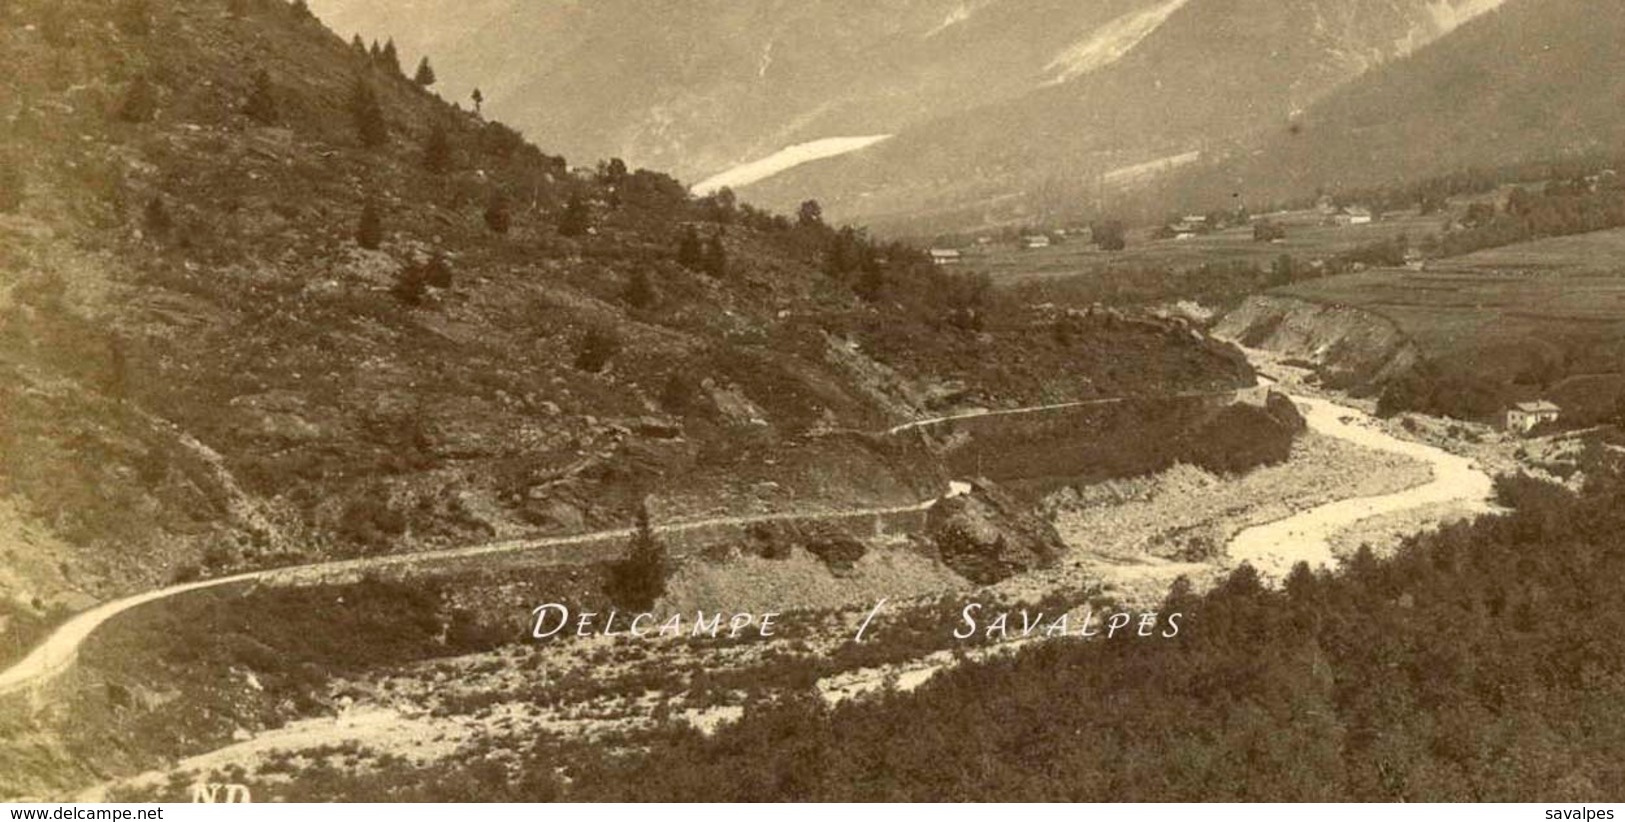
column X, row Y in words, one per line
column 1533, row 81
column 699, row 87
column 1213, row 73
column 263, row 300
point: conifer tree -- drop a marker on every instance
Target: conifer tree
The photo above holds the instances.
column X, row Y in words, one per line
column 479, row 100
column 368, row 114
column 690, row 251
column 598, row 346
column 390, row 59
column 156, row 217
column 425, row 76
column 639, row 580
column 261, row 104
column 640, row 291
column 576, row 219
column 369, row 233
column 497, row 217
column 437, row 152
column 301, row 10
column 716, row 257
column 358, row 46
column 140, row 102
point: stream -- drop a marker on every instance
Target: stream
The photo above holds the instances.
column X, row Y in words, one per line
column 1274, row 547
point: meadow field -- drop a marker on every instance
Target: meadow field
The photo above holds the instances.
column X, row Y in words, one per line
column 1547, row 317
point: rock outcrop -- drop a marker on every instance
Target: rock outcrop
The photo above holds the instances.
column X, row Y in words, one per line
column 988, row 535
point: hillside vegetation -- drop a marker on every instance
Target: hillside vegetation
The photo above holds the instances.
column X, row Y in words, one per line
column 264, row 299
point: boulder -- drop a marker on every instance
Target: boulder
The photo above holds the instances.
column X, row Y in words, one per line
column 988, row 535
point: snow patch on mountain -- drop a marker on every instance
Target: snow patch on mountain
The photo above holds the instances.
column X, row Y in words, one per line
column 1110, row 42
column 960, row 14
column 1448, row 16
column 1445, row 16
column 785, row 159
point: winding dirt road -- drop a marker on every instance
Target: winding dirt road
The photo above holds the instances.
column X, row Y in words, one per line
column 57, row 653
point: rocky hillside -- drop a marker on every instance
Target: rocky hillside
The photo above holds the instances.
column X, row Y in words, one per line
column 263, row 299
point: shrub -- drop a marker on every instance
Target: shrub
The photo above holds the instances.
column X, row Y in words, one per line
column 140, row 103
column 437, row 151
column 437, row 272
column 640, row 292
column 598, row 346
column 410, row 285
column 12, row 185
column 497, row 217
column 576, row 218
column 369, row 232
column 262, row 106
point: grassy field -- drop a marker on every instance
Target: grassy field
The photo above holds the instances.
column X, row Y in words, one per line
column 1306, row 240
column 1547, row 316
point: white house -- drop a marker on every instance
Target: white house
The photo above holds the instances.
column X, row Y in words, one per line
column 945, row 256
column 1035, row 241
column 1524, row 416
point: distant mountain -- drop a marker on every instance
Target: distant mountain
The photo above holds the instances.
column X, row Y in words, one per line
column 704, row 85
column 1200, row 79
column 1536, row 80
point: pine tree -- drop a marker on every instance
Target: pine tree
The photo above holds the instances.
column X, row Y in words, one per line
column 437, row 152
column 690, row 251
column 425, row 74
column 390, row 59
column 369, row 233
column 261, row 104
column 358, row 46
column 640, row 291
column 598, row 346
column 376, row 53
column 368, row 114
column 301, row 10
column 639, row 580
column 479, row 100
column 140, row 102
column 716, row 257
column 497, row 217
column 576, row 219
column 156, row 217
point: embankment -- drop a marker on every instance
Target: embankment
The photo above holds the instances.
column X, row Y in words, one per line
column 1351, row 348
